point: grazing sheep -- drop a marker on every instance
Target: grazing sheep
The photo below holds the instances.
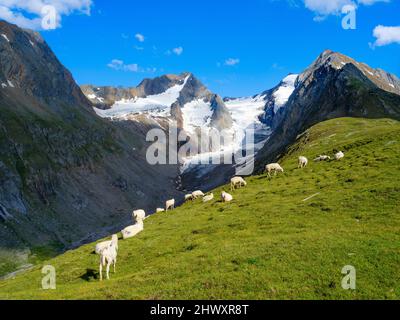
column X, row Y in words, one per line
column 273, row 167
column 138, row 215
column 323, row 158
column 208, row 198
column 102, row 245
column 226, row 197
column 237, row 182
column 132, row 231
column 197, row 194
column 170, row 205
column 189, row 197
column 339, row 155
column 107, row 256
column 160, row 210
column 303, row 162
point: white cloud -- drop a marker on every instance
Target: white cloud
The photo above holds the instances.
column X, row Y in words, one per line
column 232, row 62
column 324, row 8
column 28, row 13
column 386, row 35
column 119, row 65
column 178, row 51
column 370, row 2
column 139, row 37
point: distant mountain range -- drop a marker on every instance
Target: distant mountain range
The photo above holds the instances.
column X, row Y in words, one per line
column 73, row 160
column 186, row 101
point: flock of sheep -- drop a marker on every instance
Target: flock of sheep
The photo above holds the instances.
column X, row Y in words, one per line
column 108, row 250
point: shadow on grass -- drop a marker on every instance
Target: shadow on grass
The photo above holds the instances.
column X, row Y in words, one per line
column 90, row 275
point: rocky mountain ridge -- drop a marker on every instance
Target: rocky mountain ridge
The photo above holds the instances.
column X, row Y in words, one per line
column 67, row 176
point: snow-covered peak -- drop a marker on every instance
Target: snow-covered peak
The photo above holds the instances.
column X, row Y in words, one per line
column 285, row 90
column 290, row 79
column 159, row 102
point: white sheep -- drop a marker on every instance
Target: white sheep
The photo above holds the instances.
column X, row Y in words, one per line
column 160, row 210
column 208, row 198
column 132, row 231
column 138, row 215
column 273, row 167
column 237, row 182
column 189, row 197
column 323, row 158
column 303, row 162
column 170, row 205
column 196, row 194
column 100, row 246
column 108, row 256
column 226, row 197
column 339, row 155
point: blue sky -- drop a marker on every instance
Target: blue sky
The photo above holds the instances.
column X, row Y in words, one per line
column 237, row 48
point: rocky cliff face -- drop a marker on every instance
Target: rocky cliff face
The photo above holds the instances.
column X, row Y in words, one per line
column 28, row 66
column 333, row 86
column 66, row 175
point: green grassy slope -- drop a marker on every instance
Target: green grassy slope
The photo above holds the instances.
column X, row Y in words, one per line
column 268, row 243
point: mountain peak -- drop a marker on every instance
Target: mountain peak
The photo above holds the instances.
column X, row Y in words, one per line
column 329, row 59
column 28, row 66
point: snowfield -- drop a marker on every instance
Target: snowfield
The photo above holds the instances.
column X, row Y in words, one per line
column 159, row 102
column 285, row 91
column 196, row 114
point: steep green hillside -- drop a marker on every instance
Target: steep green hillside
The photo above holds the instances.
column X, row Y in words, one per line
column 270, row 243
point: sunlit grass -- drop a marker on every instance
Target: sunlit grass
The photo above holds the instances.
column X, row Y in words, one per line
column 268, row 243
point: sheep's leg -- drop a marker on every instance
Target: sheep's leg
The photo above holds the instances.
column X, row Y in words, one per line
column 101, row 271
column 108, row 270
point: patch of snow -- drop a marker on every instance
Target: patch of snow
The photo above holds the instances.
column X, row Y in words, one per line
column 391, row 85
column 3, row 85
column 5, row 37
column 10, row 84
column 32, row 44
column 196, row 114
column 245, row 111
column 159, row 102
column 284, row 92
column 93, row 97
column 245, row 114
